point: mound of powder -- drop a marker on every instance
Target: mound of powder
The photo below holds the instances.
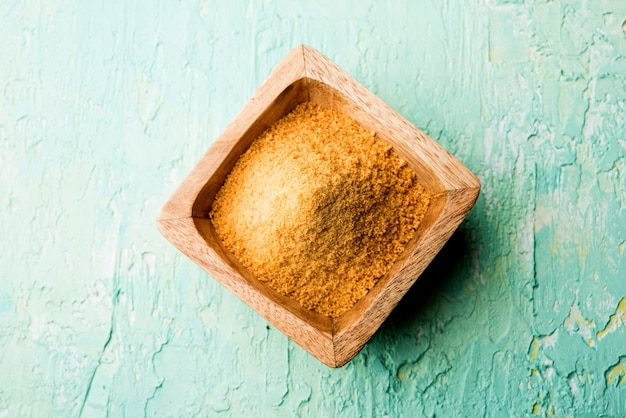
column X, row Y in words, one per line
column 319, row 209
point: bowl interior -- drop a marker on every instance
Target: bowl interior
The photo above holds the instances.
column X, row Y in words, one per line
column 302, row 90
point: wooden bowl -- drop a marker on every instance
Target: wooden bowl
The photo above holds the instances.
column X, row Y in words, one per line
column 306, row 75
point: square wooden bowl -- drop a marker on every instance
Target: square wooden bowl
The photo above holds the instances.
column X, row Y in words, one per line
column 306, row 75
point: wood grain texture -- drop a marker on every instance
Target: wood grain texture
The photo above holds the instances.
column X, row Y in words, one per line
column 305, row 74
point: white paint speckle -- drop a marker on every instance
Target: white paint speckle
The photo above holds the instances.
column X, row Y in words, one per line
column 573, row 386
column 575, row 323
column 551, row 340
column 149, row 259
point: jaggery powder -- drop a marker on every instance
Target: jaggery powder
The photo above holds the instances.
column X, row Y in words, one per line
column 319, row 209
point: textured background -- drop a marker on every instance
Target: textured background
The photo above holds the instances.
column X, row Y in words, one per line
column 105, row 106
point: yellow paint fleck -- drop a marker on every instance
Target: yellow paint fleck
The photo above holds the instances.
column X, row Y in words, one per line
column 21, row 304
column 621, row 249
column 539, row 342
column 536, row 408
column 534, row 375
column 534, row 349
column 616, row 320
column 400, row 375
column 616, row 371
column 551, row 411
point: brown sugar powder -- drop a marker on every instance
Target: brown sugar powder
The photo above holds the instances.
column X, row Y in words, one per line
column 319, row 209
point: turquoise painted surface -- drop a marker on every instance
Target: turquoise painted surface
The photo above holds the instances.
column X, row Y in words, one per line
column 106, row 106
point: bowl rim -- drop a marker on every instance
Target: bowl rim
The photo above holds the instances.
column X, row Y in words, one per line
column 307, row 75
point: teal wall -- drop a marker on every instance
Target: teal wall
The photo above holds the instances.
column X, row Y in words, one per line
column 105, row 107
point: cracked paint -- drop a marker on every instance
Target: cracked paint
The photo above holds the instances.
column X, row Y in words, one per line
column 616, row 320
column 576, row 323
column 540, row 342
column 107, row 106
column 617, row 374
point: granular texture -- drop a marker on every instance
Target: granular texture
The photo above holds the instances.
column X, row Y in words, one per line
column 319, row 209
